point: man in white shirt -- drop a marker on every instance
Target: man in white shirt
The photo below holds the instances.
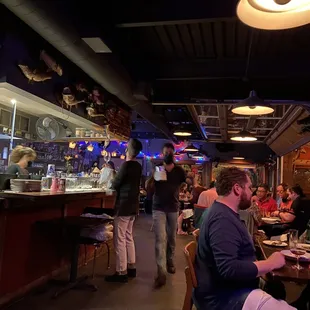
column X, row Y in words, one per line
column 205, row 201
column 207, row 197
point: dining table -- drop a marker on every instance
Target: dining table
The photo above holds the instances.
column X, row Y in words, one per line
column 287, row 273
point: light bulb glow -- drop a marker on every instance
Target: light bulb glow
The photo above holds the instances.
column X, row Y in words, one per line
column 252, row 110
column 72, row 145
column 182, row 133
column 243, row 139
column 269, row 15
column 90, row 148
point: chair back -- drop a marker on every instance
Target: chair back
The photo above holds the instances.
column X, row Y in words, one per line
column 198, row 212
column 196, row 234
column 191, row 281
column 190, row 254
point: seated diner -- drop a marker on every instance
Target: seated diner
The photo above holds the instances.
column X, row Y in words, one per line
column 226, row 268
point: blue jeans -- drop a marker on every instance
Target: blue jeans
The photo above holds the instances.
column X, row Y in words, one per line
column 165, row 228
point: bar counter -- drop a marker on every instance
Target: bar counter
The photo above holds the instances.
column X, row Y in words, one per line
column 30, row 256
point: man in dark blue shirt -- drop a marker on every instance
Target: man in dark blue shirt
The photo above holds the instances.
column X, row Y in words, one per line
column 226, row 267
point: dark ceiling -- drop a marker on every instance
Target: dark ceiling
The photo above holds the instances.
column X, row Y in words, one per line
column 197, row 54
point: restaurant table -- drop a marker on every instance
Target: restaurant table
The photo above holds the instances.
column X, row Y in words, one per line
column 72, row 226
column 286, row 273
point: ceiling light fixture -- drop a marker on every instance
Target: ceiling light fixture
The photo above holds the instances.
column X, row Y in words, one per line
column 180, row 131
column 72, row 145
column 190, row 148
column 252, row 105
column 90, row 148
column 198, row 156
column 274, row 14
column 243, row 136
column 238, row 157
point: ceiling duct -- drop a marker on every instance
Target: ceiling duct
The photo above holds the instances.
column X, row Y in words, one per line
column 65, row 38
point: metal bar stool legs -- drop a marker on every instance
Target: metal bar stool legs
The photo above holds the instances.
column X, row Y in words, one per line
column 108, row 249
column 85, row 255
column 95, row 257
column 94, row 262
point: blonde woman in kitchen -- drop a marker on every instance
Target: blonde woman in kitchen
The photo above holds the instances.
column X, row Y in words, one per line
column 20, row 158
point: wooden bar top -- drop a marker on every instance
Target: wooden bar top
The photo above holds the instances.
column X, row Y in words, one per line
column 9, row 194
column 22, row 199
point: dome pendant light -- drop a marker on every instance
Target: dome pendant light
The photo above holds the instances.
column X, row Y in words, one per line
column 190, row 149
column 252, row 105
column 274, row 14
column 180, row 131
column 243, row 136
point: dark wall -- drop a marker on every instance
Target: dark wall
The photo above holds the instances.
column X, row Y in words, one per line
column 19, row 44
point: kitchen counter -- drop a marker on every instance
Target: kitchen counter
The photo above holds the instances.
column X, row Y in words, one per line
column 30, row 256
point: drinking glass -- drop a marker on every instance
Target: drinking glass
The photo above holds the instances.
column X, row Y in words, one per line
column 293, row 241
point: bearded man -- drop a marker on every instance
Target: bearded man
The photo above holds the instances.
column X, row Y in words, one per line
column 226, row 267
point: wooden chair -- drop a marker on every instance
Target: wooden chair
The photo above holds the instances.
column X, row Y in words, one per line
column 191, row 281
column 196, row 234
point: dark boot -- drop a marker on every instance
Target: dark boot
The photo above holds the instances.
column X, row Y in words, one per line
column 132, row 272
column 117, row 278
column 160, row 280
column 171, row 267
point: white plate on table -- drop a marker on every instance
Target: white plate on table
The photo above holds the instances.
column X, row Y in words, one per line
column 275, row 243
column 271, row 220
column 303, row 246
column 289, row 255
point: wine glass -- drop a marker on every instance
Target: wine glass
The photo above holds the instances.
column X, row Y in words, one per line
column 293, row 242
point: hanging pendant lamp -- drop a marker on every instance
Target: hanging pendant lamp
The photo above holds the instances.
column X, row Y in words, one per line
column 274, row 14
column 190, row 148
column 243, row 136
column 253, row 105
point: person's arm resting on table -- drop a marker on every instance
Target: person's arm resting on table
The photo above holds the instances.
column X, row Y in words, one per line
column 287, row 217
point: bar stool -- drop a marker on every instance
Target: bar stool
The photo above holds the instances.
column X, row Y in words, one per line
column 97, row 244
column 93, row 242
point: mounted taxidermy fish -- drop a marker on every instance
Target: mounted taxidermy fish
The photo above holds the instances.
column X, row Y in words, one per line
column 35, row 75
column 91, row 111
column 51, row 63
column 81, row 88
column 69, row 97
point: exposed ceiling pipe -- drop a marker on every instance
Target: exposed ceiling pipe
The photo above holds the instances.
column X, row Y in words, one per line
column 65, row 38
